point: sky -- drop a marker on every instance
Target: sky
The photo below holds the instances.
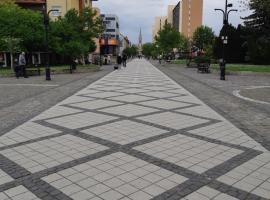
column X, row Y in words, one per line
column 136, row 14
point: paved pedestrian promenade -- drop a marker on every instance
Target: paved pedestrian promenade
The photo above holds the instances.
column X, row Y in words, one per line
column 133, row 135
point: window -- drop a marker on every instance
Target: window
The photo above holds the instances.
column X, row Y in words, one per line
column 56, row 13
column 110, row 30
column 110, row 18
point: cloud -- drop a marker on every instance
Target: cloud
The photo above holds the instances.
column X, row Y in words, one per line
column 134, row 15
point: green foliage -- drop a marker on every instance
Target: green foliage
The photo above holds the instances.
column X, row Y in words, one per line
column 235, row 50
column 148, row 49
column 169, row 38
column 72, row 35
column 22, row 25
column 203, row 37
column 258, row 26
column 202, row 59
column 131, row 51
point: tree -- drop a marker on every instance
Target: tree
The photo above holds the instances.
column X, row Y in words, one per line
column 72, row 36
column 235, row 50
column 258, row 26
column 169, row 38
column 148, row 49
column 203, row 37
column 131, row 51
column 21, row 29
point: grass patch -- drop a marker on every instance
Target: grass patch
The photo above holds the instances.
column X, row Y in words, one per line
column 54, row 69
column 243, row 68
column 179, row 62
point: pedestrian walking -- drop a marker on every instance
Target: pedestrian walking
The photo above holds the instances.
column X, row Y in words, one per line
column 22, row 64
column 118, row 62
column 124, row 58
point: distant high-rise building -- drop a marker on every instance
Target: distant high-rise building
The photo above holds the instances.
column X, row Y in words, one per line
column 185, row 17
column 159, row 23
column 170, row 14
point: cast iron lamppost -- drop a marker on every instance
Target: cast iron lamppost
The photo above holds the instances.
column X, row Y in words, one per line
column 46, row 24
column 224, row 38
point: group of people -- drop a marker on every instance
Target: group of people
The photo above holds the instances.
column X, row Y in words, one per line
column 122, row 60
column 20, row 66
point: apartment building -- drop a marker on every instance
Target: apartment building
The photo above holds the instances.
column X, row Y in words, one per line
column 159, row 23
column 185, row 17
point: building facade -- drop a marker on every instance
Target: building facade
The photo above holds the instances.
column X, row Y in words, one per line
column 159, row 23
column 185, row 17
column 123, row 43
column 111, row 35
column 31, row 4
column 62, row 5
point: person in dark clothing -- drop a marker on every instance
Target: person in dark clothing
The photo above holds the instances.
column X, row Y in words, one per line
column 118, row 62
column 16, row 68
column 22, row 64
column 124, row 58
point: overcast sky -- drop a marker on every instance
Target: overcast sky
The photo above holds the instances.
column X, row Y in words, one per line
column 134, row 14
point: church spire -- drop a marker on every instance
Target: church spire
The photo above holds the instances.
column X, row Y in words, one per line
column 140, row 45
column 140, row 37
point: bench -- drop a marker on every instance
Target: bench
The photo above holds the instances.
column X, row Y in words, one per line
column 204, row 67
column 33, row 70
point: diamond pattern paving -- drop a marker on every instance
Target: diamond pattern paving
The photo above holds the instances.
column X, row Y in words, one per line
column 80, row 120
column 129, row 110
column 52, row 152
column 114, row 177
column 133, row 135
column 191, row 153
column 26, row 132
column 172, row 120
column 124, row 132
column 17, row 193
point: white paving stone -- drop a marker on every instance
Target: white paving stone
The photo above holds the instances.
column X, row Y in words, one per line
column 56, row 111
column 96, row 104
column 26, row 132
column 18, row 193
column 226, row 132
column 131, row 98
column 52, row 152
column 207, row 193
column 81, row 120
column 164, row 104
column 4, row 178
column 114, row 182
column 173, row 120
column 129, row 110
column 253, row 176
column 187, row 152
column 124, row 132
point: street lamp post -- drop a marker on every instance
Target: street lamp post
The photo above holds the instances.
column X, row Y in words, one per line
column 46, row 24
column 225, row 38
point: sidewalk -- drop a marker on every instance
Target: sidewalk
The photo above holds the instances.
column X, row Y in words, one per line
column 134, row 134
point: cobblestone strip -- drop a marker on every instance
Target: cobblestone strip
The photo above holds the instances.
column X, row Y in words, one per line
column 232, row 191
